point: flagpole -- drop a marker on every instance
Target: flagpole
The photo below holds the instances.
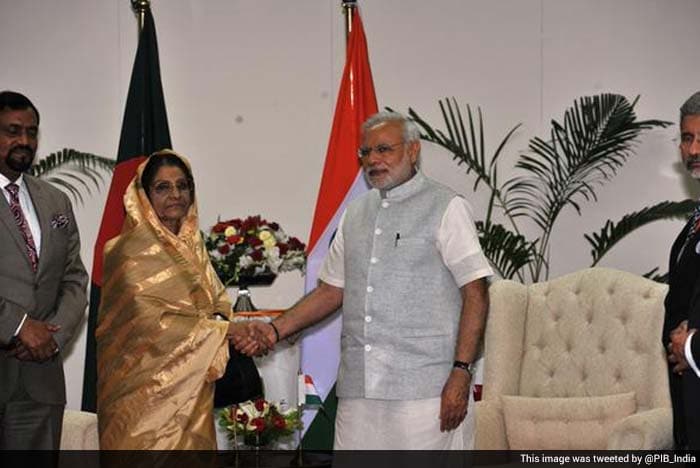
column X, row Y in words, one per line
column 140, row 7
column 298, row 459
column 349, row 9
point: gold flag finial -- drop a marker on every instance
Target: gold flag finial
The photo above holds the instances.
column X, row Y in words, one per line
column 140, row 7
column 349, row 8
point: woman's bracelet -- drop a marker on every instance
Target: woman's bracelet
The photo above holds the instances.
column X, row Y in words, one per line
column 277, row 332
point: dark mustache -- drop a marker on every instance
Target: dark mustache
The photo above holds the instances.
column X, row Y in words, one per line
column 26, row 148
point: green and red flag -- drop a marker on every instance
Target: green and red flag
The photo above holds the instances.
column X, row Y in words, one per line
column 144, row 131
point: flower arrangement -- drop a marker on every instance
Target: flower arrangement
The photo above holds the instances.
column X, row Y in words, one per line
column 259, row 422
column 250, row 247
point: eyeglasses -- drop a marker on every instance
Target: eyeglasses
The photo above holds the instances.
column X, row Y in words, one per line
column 381, row 149
column 166, row 188
column 16, row 131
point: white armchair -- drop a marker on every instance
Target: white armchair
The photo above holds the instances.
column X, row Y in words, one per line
column 575, row 363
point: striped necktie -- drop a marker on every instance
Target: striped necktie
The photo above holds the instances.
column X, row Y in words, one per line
column 16, row 209
column 694, row 224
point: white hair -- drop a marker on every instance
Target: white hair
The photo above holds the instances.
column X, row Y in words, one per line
column 410, row 129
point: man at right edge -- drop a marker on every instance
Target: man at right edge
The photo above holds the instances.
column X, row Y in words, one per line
column 683, row 299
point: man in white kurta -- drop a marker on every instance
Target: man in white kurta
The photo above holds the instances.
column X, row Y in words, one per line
column 407, row 269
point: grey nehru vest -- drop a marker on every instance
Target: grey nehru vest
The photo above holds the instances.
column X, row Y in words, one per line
column 401, row 305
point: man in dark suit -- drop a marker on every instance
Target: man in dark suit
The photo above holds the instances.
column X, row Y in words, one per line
column 683, row 299
column 42, row 286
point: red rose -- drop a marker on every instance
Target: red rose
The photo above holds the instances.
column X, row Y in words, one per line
column 254, row 241
column 259, row 424
column 218, row 228
column 274, row 226
column 260, row 404
column 257, row 255
column 224, row 249
column 279, row 422
column 242, row 418
column 296, row 244
column 236, row 223
column 250, row 223
column 233, row 240
column 284, row 248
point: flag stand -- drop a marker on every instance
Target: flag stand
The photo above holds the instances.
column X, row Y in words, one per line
column 298, row 459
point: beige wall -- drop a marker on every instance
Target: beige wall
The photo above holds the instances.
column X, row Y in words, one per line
column 250, row 88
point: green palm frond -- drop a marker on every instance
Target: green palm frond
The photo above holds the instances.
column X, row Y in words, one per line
column 507, row 251
column 596, row 138
column 655, row 276
column 585, row 150
column 612, row 233
column 466, row 143
column 73, row 170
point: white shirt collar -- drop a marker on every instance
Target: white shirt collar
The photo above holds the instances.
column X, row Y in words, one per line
column 4, row 181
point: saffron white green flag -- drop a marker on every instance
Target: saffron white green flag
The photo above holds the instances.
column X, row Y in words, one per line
column 308, row 394
column 341, row 182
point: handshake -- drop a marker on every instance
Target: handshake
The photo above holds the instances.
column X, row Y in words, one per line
column 254, row 338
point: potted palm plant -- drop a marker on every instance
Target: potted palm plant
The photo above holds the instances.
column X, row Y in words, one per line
column 584, row 151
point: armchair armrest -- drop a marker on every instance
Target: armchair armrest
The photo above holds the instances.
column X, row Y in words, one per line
column 489, row 426
column 646, row 430
column 79, row 431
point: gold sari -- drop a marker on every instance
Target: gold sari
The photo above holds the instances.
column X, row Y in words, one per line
column 159, row 350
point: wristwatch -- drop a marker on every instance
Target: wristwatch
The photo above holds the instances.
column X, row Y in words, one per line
column 466, row 366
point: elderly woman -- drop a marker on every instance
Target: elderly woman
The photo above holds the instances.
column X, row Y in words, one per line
column 159, row 347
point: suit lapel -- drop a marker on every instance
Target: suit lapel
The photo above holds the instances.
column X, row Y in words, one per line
column 680, row 248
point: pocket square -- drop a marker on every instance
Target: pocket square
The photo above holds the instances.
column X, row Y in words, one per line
column 59, row 221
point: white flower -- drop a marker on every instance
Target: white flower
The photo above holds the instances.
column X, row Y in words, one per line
column 272, row 258
column 245, row 261
column 248, row 408
column 281, row 236
column 230, row 231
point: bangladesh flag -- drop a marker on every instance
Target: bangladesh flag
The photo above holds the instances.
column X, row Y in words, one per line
column 144, row 131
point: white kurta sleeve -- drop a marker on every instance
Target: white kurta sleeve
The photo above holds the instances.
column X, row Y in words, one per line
column 458, row 243
column 333, row 268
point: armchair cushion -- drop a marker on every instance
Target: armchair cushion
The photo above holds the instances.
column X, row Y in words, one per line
column 577, row 423
column 489, row 428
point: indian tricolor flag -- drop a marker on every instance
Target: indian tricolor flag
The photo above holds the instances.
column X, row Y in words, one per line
column 342, row 181
column 308, row 394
